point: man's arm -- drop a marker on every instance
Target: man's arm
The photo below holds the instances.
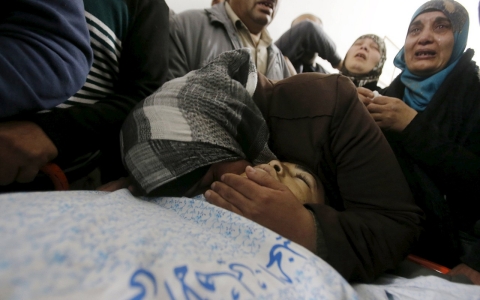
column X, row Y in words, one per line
column 45, row 54
column 143, row 65
column 178, row 64
column 81, row 129
column 308, row 37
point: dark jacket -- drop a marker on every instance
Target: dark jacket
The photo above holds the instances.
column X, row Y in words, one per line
column 306, row 38
column 45, row 53
column 439, row 152
column 371, row 220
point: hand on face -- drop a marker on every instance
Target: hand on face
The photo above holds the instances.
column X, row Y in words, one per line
column 214, row 173
column 24, row 149
column 305, row 187
column 391, row 113
column 429, row 43
column 262, row 199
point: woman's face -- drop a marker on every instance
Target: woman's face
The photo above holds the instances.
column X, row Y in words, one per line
column 429, row 43
column 301, row 182
column 362, row 56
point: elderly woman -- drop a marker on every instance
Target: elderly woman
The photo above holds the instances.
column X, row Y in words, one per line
column 430, row 115
column 364, row 61
column 306, row 40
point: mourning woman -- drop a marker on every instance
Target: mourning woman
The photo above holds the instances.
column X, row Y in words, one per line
column 430, row 115
column 364, row 61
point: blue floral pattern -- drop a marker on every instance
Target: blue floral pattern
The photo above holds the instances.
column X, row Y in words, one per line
column 115, row 246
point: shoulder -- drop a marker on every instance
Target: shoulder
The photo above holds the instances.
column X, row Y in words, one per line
column 110, row 17
column 191, row 19
column 314, row 94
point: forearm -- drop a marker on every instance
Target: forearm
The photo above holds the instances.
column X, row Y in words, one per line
column 45, row 54
column 84, row 128
column 308, row 37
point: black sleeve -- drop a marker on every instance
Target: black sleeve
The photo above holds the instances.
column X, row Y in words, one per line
column 45, row 53
column 307, row 37
column 143, row 66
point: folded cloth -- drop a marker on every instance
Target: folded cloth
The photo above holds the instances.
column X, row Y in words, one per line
column 194, row 121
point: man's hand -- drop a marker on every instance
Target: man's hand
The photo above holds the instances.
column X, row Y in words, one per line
column 24, row 149
column 463, row 269
column 266, row 201
column 365, row 95
column 391, row 113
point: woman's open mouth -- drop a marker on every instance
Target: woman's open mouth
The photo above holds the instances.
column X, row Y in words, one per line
column 425, row 53
column 361, row 55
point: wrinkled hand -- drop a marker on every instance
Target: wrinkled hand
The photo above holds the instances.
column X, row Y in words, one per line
column 365, row 95
column 24, row 149
column 463, row 269
column 266, row 201
column 391, row 113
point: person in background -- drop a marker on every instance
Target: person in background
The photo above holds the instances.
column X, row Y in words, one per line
column 305, row 41
column 198, row 36
column 430, row 115
column 130, row 43
column 45, row 54
column 364, row 62
column 216, row 2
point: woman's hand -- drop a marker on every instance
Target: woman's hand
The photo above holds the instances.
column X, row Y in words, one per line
column 266, row 201
column 391, row 113
column 365, row 95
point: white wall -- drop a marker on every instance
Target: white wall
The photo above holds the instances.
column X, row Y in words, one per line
column 345, row 20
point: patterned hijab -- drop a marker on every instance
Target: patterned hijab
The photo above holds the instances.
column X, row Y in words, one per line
column 420, row 90
column 374, row 74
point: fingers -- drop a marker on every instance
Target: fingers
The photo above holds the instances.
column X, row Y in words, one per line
column 24, row 149
column 365, row 95
column 226, row 197
column 365, row 92
column 263, row 178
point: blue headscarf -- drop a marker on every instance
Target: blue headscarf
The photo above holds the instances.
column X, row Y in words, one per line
column 420, row 90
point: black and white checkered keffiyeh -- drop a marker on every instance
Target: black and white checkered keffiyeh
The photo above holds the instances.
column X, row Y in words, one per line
column 205, row 117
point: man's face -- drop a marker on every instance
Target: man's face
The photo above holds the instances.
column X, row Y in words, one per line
column 302, row 184
column 362, row 56
column 429, row 43
column 255, row 14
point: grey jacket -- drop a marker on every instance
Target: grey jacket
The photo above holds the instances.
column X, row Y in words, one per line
column 198, row 36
